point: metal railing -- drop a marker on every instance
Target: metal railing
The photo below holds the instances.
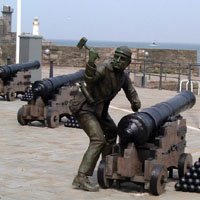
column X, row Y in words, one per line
column 165, row 70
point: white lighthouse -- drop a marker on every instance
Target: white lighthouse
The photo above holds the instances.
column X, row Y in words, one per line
column 35, row 26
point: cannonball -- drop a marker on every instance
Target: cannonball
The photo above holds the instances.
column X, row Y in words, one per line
column 188, row 174
column 198, row 170
column 197, row 181
column 193, row 169
column 198, row 189
column 197, row 164
column 184, row 187
column 183, row 180
column 195, row 175
column 177, row 186
column 189, row 181
column 191, row 188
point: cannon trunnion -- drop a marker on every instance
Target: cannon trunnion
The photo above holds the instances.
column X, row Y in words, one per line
column 48, row 100
column 15, row 79
column 148, row 163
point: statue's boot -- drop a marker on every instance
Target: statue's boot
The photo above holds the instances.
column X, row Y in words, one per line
column 82, row 181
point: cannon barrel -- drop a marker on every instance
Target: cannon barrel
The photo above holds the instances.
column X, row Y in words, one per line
column 46, row 87
column 140, row 127
column 9, row 70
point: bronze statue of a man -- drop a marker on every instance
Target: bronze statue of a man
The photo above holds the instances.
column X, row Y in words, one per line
column 90, row 106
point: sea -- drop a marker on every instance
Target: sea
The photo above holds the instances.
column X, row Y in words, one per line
column 148, row 45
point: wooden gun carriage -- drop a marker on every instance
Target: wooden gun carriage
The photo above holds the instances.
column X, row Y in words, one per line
column 48, row 100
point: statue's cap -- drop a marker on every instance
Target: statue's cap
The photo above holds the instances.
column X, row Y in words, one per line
column 124, row 50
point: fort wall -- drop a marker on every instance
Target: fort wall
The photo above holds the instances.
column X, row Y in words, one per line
column 66, row 56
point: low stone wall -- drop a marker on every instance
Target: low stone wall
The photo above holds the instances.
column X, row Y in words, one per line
column 67, row 56
column 72, row 56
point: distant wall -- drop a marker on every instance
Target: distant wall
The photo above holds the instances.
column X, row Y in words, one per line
column 73, row 57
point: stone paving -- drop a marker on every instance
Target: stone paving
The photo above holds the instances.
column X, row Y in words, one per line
column 40, row 163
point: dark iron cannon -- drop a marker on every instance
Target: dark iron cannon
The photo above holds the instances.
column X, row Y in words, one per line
column 15, row 79
column 46, row 87
column 142, row 126
column 10, row 70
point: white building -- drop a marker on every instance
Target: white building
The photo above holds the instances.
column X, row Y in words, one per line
column 35, row 26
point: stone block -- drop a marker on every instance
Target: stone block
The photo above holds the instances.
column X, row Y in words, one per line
column 140, row 81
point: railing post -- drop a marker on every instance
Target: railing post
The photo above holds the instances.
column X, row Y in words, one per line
column 189, row 76
column 51, row 69
column 8, row 60
column 179, row 77
column 144, row 74
column 161, row 72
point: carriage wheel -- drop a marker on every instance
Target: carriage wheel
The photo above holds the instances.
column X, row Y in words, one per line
column 52, row 118
column 102, row 180
column 184, row 163
column 10, row 95
column 20, row 117
column 158, row 179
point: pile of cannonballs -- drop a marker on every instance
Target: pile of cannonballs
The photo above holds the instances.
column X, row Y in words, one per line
column 190, row 182
column 72, row 122
column 28, row 96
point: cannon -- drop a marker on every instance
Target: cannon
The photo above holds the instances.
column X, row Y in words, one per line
column 47, row 87
column 48, row 99
column 151, row 143
column 143, row 126
column 15, row 79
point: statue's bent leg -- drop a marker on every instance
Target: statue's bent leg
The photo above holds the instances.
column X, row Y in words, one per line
column 110, row 132
column 91, row 126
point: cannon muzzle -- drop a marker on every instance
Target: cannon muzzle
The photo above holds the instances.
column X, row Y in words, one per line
column 140, row 127
column 10, row 70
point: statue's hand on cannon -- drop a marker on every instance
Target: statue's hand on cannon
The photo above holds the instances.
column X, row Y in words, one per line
column 136, row 106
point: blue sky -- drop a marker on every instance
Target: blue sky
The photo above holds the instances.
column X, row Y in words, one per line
column 112, row 20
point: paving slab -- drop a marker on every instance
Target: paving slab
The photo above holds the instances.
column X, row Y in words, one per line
column 37, row 162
